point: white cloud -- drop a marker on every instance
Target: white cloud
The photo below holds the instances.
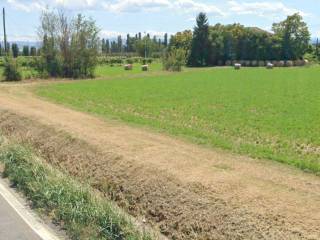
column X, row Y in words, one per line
column 27, row 6
column 192, row 6
column 77, row 4
column 120, row 6
column 182, row 6
column 268, row 9
column 136, row 5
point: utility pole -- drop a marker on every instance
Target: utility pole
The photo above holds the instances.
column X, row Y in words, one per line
column 4, row 31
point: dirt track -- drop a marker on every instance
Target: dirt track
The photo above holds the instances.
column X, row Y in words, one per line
column 188, row 191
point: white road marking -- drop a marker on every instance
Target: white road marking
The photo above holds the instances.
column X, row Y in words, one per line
column 41, row 230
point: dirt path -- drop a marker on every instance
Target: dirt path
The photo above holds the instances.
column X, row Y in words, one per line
column 201, row 193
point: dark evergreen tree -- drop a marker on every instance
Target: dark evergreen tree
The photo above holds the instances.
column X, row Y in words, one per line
column 199, row 55
column 26, row 51
column 15, row 50
column 119, row 44
column 107, row 46
column 165, row 41
column 33, row 51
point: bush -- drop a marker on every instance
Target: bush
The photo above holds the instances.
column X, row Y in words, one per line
column 11, row 70
column 174, row 60
column 129, row 61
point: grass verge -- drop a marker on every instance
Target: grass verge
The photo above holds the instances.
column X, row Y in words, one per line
column 81, row 212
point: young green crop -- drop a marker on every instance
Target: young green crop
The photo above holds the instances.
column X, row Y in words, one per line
column 273, row 114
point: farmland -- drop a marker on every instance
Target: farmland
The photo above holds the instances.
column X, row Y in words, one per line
column 271, row 114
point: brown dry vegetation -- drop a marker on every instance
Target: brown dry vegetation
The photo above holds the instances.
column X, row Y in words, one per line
column 187, row 191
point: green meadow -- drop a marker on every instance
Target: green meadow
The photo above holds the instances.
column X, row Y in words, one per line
column 269, row 114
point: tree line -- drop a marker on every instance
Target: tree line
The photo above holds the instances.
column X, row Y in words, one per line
column 137, row 44
column 214, row 45
column 13, row 49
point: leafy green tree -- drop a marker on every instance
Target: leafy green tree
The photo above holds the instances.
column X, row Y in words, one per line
column 294, row 35
column 182, row 40
column 15, row 50
column 70, row 46
column 199, row 55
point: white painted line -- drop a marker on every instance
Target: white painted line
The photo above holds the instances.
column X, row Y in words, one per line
column 41, row 230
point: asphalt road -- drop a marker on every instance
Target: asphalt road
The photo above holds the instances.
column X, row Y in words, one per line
column 12, row 227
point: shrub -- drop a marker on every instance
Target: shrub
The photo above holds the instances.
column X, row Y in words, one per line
column 129, row 61
column 174, row 60
column 11, row 70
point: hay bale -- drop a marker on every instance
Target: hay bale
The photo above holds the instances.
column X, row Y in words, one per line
column 269, row 65
column 289, row 63
column 145, row 68
column 228, row 63
column 128, row 67
column 280, row 64
column 237, row 66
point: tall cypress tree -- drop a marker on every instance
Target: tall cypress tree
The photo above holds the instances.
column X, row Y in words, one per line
column 165, row 41
column 107, row 46
column 199, row 55
column 15, row 50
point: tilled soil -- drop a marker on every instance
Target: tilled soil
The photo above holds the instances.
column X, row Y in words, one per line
column 186, row 191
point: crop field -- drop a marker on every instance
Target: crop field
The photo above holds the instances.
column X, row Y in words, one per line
column 272, row 114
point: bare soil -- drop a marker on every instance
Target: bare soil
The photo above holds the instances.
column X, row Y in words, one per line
column 184, row 190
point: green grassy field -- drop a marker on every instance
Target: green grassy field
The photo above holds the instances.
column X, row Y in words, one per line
column 273, row 114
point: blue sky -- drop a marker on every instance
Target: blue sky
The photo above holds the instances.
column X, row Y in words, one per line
column 116, row 17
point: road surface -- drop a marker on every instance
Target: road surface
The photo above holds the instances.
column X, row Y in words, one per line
column 16, row 220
